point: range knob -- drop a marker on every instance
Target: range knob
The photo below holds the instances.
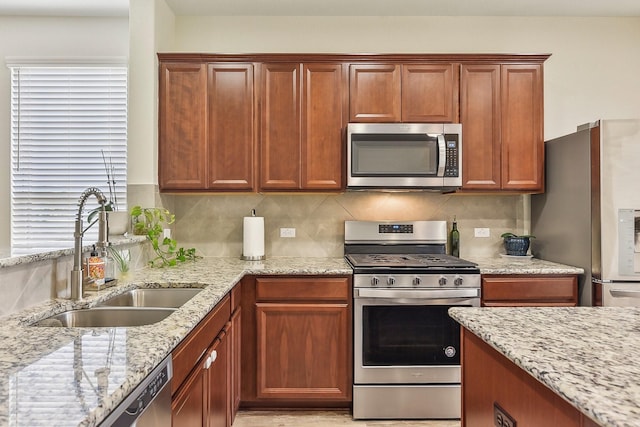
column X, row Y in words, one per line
column 417, row 281
column 457, row 281
column 391, row 281
column 375, row 281
column 442, row 281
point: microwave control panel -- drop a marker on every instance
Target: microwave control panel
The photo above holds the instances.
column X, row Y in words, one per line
column 452, row 156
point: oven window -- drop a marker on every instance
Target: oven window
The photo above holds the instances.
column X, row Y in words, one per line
column 408, row 335
column 394, row 155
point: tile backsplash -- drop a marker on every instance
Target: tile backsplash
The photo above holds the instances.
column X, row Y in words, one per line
column 213, row 223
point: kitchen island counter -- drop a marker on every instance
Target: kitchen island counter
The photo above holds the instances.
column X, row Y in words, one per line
column 77, row 376
column 586, row 355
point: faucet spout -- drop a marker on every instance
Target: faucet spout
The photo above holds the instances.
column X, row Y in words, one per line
column 77, row 273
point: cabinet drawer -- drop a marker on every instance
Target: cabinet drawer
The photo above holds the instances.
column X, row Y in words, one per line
column 191, row 349
column 302, row 288
column 529, row 290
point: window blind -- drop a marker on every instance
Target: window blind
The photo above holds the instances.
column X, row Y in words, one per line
column 63, row 119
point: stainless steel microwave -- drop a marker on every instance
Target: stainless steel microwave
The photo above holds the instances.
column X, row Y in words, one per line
column 404, row 156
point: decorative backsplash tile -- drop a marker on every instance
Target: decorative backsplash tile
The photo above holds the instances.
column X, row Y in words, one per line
column 213, row 224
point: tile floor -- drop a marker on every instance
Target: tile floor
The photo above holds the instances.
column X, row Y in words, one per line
column 323, row 419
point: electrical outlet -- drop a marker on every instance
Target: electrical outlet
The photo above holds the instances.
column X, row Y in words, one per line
column 288, row 232
column 481, row 232
column 501, row 418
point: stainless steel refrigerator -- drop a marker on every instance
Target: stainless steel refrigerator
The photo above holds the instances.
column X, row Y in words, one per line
column 589, row 215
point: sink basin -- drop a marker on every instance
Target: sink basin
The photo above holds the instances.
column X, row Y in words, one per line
column 98, row 317
column 157, row 297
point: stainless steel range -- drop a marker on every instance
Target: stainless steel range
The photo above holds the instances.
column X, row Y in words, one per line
column 406, row 347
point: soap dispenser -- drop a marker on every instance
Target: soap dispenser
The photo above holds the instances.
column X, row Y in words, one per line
column 95, row 267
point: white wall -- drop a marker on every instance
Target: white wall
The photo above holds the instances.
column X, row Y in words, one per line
column 47, row 37
column 592, row 73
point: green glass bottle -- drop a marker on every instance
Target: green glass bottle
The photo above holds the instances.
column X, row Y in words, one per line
column 455, row 239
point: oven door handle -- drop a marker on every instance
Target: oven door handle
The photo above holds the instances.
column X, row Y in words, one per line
column 418, row 294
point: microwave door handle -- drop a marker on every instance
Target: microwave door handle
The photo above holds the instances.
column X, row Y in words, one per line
column 442, row 155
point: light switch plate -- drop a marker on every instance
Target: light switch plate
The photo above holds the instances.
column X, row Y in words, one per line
column 288, row 232
column 481, row 232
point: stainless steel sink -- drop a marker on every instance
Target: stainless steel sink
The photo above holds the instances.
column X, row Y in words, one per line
column 97, row 317
column 156, row 297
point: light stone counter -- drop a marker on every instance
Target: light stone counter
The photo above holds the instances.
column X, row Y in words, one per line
column 77, row 376
column 513, row 265
column 587, row 355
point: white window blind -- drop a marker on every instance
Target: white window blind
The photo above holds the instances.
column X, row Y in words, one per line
column 62, row 121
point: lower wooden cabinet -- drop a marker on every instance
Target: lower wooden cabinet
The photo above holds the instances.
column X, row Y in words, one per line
column 489, row 379
column 529, row 290
column 297, row 342
column 206, row 369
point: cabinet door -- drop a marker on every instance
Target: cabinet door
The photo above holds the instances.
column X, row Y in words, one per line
column 280, row 127
column 480, row 118
column 182, row 151
column 236, row 361
column 188, row 405
column 522, row 135
column 323, row 123
column 218, row 383
column 231, row 130
column 430, row 93
column 374, row 93
column 302, row 351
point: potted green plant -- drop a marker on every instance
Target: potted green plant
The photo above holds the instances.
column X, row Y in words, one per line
column 152, row 222
column 121, row 259
column 516, row 245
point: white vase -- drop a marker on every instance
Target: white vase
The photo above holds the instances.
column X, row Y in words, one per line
column 118, row 222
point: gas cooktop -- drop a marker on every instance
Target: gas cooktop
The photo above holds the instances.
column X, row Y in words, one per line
column 413, row 261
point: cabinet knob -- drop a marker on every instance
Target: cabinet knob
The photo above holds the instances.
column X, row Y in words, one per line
column 208, row 362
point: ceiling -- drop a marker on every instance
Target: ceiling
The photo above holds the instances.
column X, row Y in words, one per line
column 334, row 7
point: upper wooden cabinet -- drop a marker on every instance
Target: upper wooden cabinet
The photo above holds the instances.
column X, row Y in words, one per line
column 502, row 124
column 403, row 93
column 277, row 122
column 206, row 127
column 182, row 144
column 231, row 127
column 303, row 115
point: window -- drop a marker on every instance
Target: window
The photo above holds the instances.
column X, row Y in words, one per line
column 68, row 128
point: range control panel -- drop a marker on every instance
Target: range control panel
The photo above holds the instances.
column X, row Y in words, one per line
column 395, row 228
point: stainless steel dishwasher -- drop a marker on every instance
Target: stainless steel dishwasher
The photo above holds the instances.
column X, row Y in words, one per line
column 149, row 404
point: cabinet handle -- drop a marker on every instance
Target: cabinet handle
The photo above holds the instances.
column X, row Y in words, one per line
column 213, row 356
column 208, row 362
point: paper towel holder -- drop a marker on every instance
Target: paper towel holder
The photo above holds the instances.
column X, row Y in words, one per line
column 252, row 257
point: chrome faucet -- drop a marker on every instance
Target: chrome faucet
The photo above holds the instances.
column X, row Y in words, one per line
column 77, row 274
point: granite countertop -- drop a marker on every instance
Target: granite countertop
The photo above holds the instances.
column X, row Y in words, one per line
column 522, row 265
column 77, row 376
column 587, row 355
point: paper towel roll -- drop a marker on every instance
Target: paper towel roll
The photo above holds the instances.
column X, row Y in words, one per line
column 253, row 238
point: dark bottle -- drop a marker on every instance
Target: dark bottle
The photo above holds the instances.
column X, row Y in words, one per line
column 455, row 239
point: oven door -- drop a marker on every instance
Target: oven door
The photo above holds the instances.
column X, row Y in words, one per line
column 407, row 336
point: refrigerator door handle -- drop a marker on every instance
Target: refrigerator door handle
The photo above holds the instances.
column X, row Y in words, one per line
column 628, row 294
